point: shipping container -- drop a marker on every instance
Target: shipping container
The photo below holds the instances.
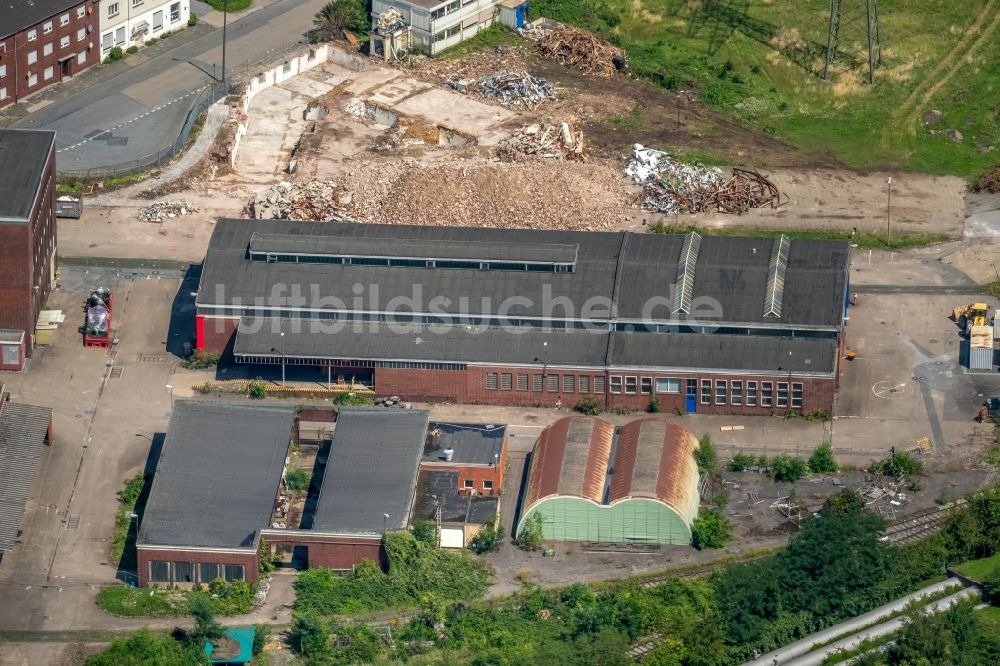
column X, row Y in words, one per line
column 980, row 359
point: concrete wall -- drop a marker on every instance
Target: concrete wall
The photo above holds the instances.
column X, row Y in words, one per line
column 341, row 552
column 291, row 67
column 80, row 52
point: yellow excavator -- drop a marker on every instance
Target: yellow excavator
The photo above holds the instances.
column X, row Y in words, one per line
column 971, row 315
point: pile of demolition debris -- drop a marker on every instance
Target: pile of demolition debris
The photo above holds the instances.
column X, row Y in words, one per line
column 311, row 200
column 550, row 141
column 572, row 46
column 989, row 181
column 510, row 88
column 161, row 211
column 672, row 187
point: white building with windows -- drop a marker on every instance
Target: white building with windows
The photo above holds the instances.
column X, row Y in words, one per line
column 442, row 24
column 125, row 23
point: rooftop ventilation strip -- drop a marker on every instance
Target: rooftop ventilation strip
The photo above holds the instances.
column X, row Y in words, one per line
column 684, row 283
column 776, row 277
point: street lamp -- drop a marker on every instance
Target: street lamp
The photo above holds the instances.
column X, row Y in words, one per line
column 225, row 17
column 385, row 520
column 282, row 352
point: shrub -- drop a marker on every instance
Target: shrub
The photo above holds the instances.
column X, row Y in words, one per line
column 531, row 535
column 310, row 636
column 129, row 494
column 201, row 359
column 822, row 461
column 711, row 530
column 256, row 391
column 296, row 478
column 741, row 462
column 654, row 406
column 166, row 34
column 898, row 464
column 425, row 531
column 114, row 55
column 787, row 468
column 203, row 389
column 261, row 635
column 151, row 41
column 488, row 539
column 590, row 406
column 192, row 20
column 349, row 398
column 706, row 456
column 132, row 49
column 845, row 503
column 420, row 48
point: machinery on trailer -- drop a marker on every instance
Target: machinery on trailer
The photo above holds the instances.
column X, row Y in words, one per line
column 97, row 324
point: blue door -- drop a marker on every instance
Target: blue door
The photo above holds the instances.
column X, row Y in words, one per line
column 520, row 13
column 691, row 405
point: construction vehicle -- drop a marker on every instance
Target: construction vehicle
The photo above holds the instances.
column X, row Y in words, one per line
column 975, row 314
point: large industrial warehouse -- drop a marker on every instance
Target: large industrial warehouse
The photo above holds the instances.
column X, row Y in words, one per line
column 634, row 485
column 516, row 317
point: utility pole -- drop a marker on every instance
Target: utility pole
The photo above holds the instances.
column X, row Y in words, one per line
column 225, row 17
column 888, row 207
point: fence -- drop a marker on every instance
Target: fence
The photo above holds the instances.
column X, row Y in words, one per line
column 208, row 96
column 239, row 72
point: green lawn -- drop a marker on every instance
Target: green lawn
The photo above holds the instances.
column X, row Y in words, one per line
column 759, row 61
column 979, row 570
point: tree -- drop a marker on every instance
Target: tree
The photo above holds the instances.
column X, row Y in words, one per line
column 425, row 531
column 488, row 538
column 741, row 462
column 706, row 455
column 309, row 636
column 340, row 15
column 206, row 628
column 711, row 530
column 845, row 503
column 991, row 587
column 144, row 648
column 822, row 461
column 786, row 468
column 531, row 535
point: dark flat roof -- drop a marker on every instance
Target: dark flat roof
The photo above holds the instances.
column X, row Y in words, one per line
column 371, row 470
column 218, row 475
column 633, row 270
column 568, row 348
column 412, row 248
column 22, row 434
column 23, row 156
column 440, row 486
column 471, row 443
column 21, row 14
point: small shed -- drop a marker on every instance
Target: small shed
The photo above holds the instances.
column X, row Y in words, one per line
column 11, row 349
column 514, row 13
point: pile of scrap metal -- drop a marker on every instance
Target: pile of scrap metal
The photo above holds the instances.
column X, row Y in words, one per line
column 510, row 88
column 572, row 46
column 549, row 141
column 673, row 187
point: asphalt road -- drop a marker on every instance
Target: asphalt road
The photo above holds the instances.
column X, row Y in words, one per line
column 141, row 109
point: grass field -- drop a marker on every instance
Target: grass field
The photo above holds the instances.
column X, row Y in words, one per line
column 760, row 62
column 979, row 570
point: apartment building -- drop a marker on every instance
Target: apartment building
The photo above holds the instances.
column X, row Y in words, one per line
column 43, row 42
column 124, row 23
column 440, row 24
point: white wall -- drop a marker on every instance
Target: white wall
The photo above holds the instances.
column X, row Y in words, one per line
column 129, row 17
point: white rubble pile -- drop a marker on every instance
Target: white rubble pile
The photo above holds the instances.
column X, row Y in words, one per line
column 510, row 88
column 161, row 211
column 669, row 186
column 560, row 142
column 310, row 200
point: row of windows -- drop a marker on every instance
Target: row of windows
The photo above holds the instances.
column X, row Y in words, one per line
column 540, row 383
column 81, row 11
column 47, row 49
column 469, row 484
column 401, row 262
column 445, row 34
column 450, row 8
column 729, row 392
column 161, row 571
column 757, row 393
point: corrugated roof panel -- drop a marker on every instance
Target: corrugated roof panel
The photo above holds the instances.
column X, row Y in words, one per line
column 571, row 459
column 23, row 429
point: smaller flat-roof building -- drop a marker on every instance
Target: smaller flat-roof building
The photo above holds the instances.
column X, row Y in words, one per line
column 214, row 489
column 461, row 516
column 590, row 481
column 477, row 453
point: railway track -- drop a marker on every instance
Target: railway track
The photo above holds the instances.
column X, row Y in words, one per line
column 919, row 527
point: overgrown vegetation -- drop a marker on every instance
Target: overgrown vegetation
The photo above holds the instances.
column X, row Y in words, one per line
column 706, row 455
column 531, row 535
column 223, row 598
column 590, row 406
column 256, row 390
column 124, row 523
column 760, row 63
column 822, row 461
column 711, row 530
column 296, row 478
column 495, row 36
column 897, row 464
column 146, row 647
column 425, row 531
column 355, row 399
column 201, row 359
column 414, row 569
column 741, row 462
column 786, row 468
column 340, row 15
column 862, row 239
column 488, row 539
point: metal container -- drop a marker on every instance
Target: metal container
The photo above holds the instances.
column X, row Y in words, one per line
column 996, row 327
column 980, row 359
